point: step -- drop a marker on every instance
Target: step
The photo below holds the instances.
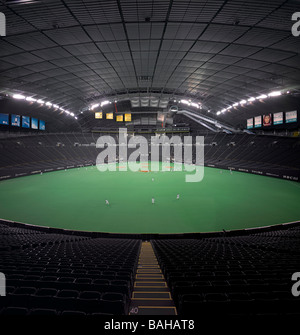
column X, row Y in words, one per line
column 150, row 310
column 150, row 289
column 151, row 295
column 145, row 283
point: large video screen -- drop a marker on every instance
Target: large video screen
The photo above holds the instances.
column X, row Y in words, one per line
column 127, row 117
column 42, row 125
column 267, row 120
column 278, row 118
column 250, row 123
column 257, row 121
column 4, row 119
column 109, row 116
column 15, row 120
column 98, row 115
column 119, row 118
column 291, row 116
column 25, row 121
column 34, row 123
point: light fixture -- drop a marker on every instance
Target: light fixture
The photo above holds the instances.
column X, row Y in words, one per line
column 39, row 101
column 260, row 97
column 19, row 96
column 106, row 102
column 30, row 99
column 94, row 106
column 263, row 96
column 274, row 94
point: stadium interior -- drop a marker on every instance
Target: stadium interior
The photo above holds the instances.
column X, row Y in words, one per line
column 73, row 73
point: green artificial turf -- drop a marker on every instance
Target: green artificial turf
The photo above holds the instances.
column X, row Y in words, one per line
column 75, row 199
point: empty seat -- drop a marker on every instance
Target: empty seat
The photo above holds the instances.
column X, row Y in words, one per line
column 21, row 296
column 89, row 301
column 14, row 311
column 43, row 312
column 65, row 300
column 42, row 297
column 101, row 285
column 73, row 313
column 83, row 284
column 113, row 303
column 190, row 303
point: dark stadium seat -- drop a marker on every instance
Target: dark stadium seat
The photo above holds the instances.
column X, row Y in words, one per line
column 120, row 286
column 190, row 304
column 73, row 313
column 83, row 284
column 89, row 301
column 48, row 312
column 113, row 303
column 42, row 297
column 14, row 311
column 65, row 300
column 21, row 296
column 101, row 285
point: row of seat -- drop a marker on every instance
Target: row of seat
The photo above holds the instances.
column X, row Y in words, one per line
column 20, row 311
column 122, row 284
column 240, row 303
column 49, row 298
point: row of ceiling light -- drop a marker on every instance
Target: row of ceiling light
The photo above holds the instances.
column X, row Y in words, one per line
column 250, row 100
column 190, row 103
column 43, row 103
column 183, row 101
column 103, row 103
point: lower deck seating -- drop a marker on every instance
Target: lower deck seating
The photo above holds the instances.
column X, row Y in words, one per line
column 62, row 274
column 246, row 275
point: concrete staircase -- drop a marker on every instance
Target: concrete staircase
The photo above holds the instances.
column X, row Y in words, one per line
column 151, row 295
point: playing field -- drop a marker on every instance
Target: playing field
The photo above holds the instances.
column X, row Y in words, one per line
column 75, row 199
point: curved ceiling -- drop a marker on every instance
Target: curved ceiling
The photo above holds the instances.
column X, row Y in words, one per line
column 74, row 52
